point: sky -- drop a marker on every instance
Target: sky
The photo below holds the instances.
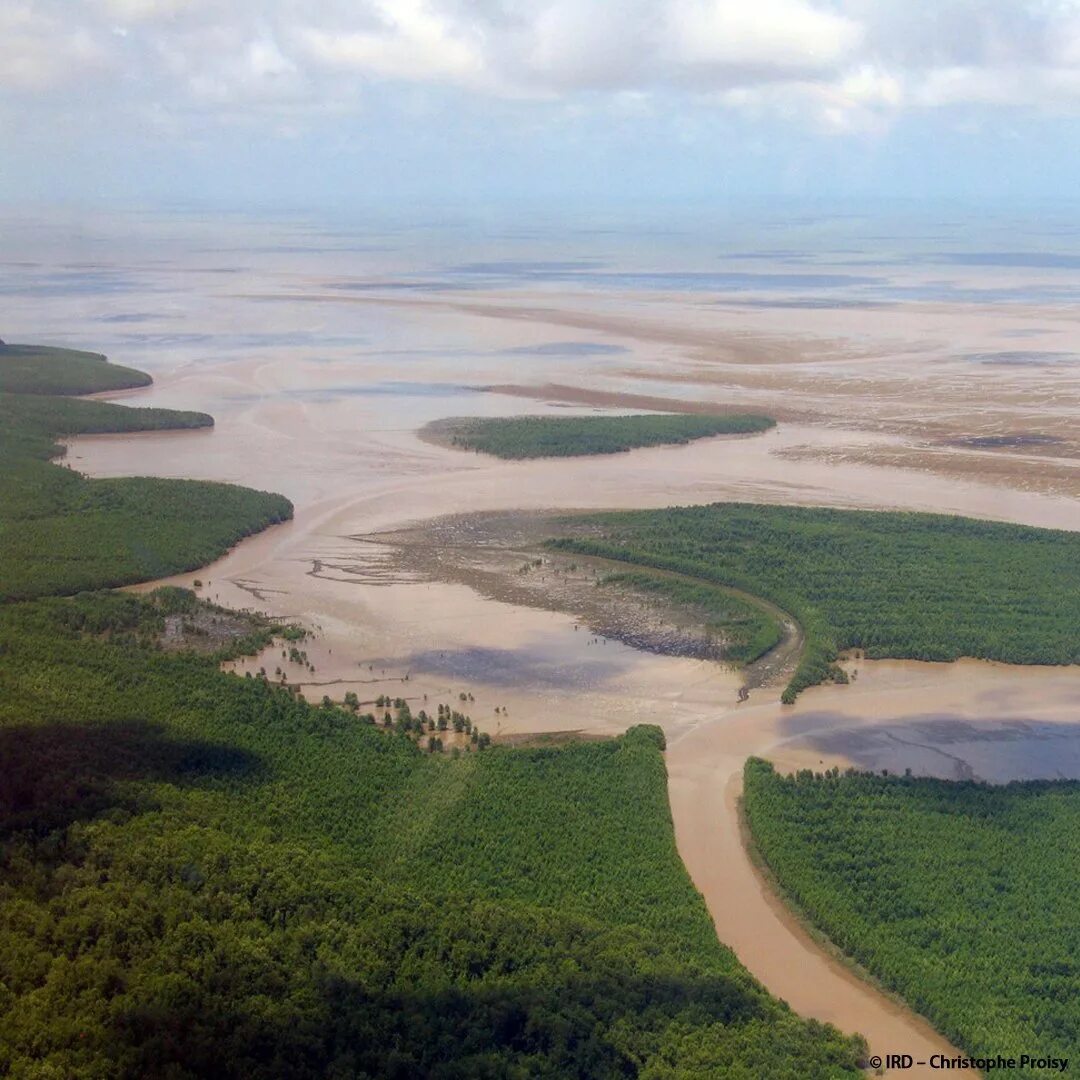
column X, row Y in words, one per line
column 572, row 102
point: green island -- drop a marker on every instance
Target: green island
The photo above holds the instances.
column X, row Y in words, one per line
column 517, row 437
column 894, row 585
column 205, row 875
column 959, row 896
column 61, row 532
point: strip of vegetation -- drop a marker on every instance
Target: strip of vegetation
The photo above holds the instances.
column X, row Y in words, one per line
column 42, row 369
column 573, row 436
column 960, row 897
column 202, row 875
column 62, row 533
column 746, row 631
column 914, row 586
column 30, row 423
column 58, row 415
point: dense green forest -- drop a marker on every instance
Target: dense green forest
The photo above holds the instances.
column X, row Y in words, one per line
column 913, row 586
column 573, row 436
column 60, row 532
column 42, row 369
column 961, row 897
column 202, row 875
column 746, row 630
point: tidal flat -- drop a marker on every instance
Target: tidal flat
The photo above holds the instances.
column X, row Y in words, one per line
column 878, row 403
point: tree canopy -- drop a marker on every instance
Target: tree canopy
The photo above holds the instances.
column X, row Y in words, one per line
column 959, row 896
column 900, row 585
column 574, row 436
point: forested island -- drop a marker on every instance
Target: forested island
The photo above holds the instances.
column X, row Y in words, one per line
column 517, row 437
column 204, row 875
column 61, row 532
column 959, row 896
column 893, row 585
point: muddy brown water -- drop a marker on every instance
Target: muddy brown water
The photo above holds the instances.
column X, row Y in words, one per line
column 867, row 392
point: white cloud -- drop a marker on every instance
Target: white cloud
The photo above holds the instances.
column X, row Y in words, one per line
column 414, row 43
column 765, row 39
column 576, row 44
column 265, row 60
column 849, row 64
column 872, row 86
column 139, row 10
column 41, row 51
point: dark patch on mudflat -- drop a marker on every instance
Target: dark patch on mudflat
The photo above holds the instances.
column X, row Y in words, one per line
column 133, row 317
column 388, row 387
column 1022, row 357
column 1032, row 260
column 814, row 303
column 396, row 286
column 569, row 348
column 526, row 268
column 993, row 442
column 665, row 642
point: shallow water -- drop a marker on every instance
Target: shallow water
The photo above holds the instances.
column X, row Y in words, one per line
column 322, row 351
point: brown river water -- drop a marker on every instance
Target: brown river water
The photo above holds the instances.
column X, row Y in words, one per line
column 321, row 361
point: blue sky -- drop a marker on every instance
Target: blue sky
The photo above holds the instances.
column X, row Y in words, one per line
column 361, row 102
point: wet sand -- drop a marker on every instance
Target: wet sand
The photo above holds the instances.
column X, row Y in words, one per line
column 324, row 404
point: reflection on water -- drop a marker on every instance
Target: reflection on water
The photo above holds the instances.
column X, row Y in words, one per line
column 953, row 747
column 542, row 662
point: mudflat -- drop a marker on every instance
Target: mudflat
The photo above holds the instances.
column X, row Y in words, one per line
column 879, row 407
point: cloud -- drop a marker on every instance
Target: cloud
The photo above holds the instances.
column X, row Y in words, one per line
column 575, row 45
column 41, row 50
column 414, row 42
column 759, row 41
column 845, row 64
column 126, row 11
